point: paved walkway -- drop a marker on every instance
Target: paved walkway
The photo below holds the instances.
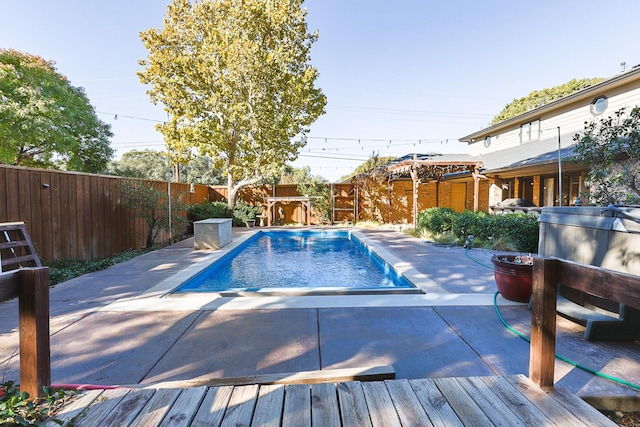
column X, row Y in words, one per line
column 115, row 327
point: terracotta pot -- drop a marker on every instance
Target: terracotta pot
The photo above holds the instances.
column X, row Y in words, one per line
column 513, row 276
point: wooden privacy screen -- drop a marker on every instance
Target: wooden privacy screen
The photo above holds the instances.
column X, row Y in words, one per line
column 548, row 273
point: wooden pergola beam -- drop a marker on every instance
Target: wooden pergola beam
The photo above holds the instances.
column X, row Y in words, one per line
column 305, row 201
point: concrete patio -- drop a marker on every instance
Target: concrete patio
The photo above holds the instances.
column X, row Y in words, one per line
column 105, row 331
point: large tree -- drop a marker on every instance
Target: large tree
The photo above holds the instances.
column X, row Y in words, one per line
column 538, row 98
column 147, row 164
column 236, row 81
column 372, row 163
column 45, row 121
column 610, row 148
column 150, row 164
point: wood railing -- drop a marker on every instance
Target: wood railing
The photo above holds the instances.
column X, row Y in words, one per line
column 548, row 273
column 30, row 284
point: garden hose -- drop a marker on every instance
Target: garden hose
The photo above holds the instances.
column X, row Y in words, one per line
column 559, row 357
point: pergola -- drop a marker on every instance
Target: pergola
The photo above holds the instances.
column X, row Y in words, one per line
column 304, row 200
column 432, row 169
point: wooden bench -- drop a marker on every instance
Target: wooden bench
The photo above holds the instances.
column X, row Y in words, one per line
column 27, row 280
column 548, row 274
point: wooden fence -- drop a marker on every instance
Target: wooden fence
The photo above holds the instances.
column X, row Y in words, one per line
column 74, row 215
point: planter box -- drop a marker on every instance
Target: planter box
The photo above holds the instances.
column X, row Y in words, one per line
column 212, row 233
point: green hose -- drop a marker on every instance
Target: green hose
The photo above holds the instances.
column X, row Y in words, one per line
column 564, row 359
column 527, row 339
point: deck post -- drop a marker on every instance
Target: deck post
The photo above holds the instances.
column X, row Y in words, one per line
column 543, row 321
column 35, row 363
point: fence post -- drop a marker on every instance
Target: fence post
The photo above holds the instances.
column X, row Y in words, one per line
column 35, row 363
column 543, row 321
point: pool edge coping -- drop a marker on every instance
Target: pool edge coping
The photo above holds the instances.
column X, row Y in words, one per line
column 428, row 292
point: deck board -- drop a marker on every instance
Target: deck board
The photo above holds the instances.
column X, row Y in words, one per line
column 353, row 406
column 101, row 407
column 296, row 406
column 213, row 407
column 434, row 404
column 407, row 404
column 324, row 405
column 268, row 411
column 184, row 407
column 510, row 400
column 156, row 408
column 241, row 405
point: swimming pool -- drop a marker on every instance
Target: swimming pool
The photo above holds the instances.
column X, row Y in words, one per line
column 308, row 261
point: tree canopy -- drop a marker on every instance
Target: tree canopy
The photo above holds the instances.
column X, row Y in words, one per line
column 151, row 164
column 292, row 175
column 236, row 81
column 538, row 98
column 45, row 121
column 610, row 148
column 147, row 164
column 373, row 162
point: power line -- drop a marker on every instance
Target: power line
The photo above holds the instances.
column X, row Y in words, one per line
column 412, row 112
column 116, row 116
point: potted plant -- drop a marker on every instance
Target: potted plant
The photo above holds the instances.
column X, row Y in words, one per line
column 513, row 275
column 246, row 214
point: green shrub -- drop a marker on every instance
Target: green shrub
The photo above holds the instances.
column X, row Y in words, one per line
column 63, row 270
column 471, row 223
column 437, row 220
column 19, row 409
column 210, row 210
column 519, row 228
column 516, row 232
column 243, row 212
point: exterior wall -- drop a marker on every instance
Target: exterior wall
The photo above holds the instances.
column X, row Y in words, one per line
column 537, row 190
column 569, row 118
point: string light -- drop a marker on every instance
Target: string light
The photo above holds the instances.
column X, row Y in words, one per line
column 116, row 116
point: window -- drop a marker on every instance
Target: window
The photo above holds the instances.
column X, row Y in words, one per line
column 530, row 131
column 487, row 141
column 599, row 105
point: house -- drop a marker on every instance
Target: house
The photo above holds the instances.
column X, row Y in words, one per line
column 521, row 156
column 527, row 159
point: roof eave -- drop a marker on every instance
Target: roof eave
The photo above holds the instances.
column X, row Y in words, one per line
column 553, row 105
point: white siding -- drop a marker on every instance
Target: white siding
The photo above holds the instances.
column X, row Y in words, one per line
column 571, row 120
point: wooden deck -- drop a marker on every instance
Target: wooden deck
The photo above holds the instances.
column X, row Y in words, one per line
column 478, row 401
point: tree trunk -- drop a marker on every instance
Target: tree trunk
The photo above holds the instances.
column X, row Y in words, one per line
column 231, row 191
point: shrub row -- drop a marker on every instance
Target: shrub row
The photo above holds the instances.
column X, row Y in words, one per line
column 519, row 229
column 63, row 270
column 240, row 213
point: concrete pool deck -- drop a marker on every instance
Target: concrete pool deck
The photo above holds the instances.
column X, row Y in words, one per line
column 111, row 327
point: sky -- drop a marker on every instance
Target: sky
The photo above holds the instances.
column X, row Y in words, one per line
column 403, row 76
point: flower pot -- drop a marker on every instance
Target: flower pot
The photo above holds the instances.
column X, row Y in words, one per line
column 250, row 223
column 513, row 274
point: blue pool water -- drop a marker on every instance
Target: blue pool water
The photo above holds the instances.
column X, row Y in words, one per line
column 297, row 259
